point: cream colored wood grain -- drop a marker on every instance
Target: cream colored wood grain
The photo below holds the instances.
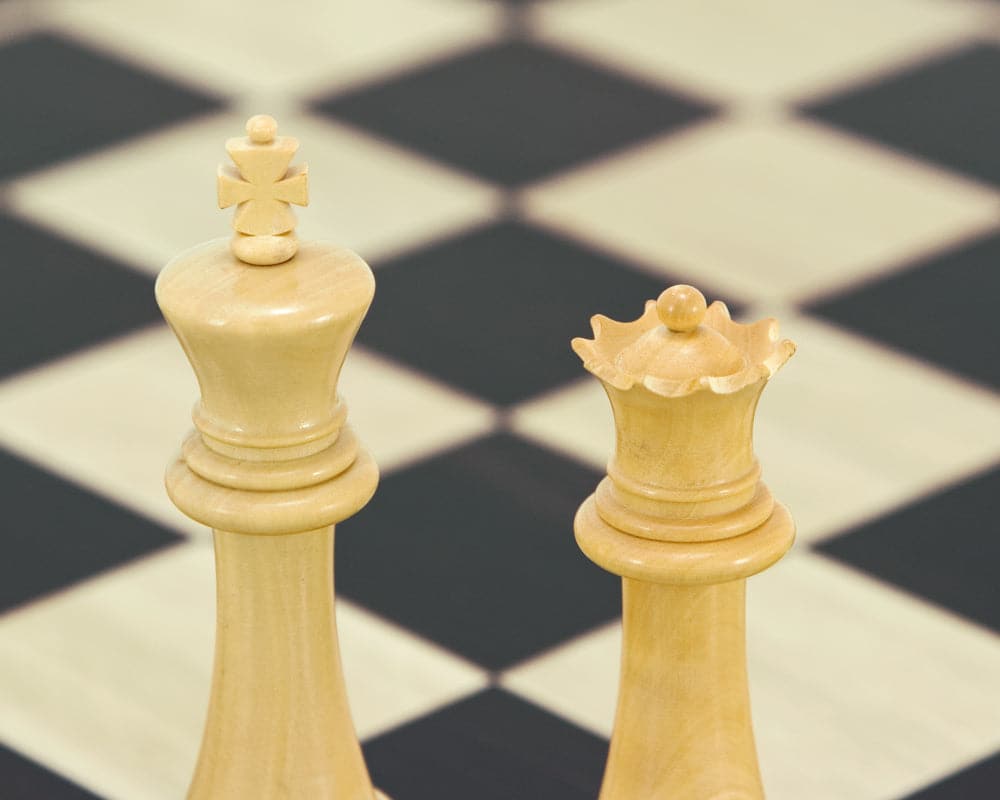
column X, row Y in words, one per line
column 865, row 454
column 835, row 661
column 683, row 517
column 271, row 469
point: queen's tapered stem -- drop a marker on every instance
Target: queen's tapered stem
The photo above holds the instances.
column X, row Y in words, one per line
column 278, row 721
column 683, row 729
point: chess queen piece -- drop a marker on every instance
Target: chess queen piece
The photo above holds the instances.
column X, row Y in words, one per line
column 271, row 467
column 684, row 518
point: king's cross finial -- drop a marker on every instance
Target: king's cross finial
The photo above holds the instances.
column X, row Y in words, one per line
column 262, row 188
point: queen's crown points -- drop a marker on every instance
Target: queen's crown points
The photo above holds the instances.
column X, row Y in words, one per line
column 261, row 186
column 680, row 346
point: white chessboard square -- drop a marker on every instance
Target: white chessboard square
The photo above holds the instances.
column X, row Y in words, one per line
column 764, row 208
column 256, row 47
column 402, row 415
column 738, row 52
column 112, row 417
column 834, row 429
column 858, row 690
column 109, row 418
column 149, row 199
column 107, row 683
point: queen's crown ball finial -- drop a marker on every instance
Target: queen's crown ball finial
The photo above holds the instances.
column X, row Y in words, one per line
column 681, row 308
column 681, row 348
column 678, row 346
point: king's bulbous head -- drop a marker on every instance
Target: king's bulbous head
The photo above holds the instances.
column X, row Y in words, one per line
column 266, row 322
column 267, row 344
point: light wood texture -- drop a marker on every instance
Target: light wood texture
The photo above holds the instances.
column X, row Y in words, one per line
column 276, row 653
column 261, row 187
column 266, row 344
column 683, row 517
column 271, row 467
column 683, row 699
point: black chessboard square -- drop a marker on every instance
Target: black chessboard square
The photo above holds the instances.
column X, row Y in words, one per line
column 942, row 309
column 980, row 781
column 492, row 311
column 55, row 534
column 58, row 297
column 23, row 779
column 944, row 110
column 944, row 548
column 491, row 746
column 514, row 112
column 61, row 99
column 483, row 559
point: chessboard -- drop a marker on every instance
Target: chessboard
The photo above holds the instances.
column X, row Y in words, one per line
column 509, row 170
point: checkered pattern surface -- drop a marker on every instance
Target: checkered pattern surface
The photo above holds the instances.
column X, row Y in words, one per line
column 510, row 169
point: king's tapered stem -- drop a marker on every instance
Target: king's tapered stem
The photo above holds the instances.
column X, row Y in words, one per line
column 278, row 720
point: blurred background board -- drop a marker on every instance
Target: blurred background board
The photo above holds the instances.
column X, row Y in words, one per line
column 836, row 164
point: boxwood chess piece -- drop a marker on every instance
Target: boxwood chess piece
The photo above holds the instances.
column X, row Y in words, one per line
column 261, row 188
column 683, row 517
column 271, row 467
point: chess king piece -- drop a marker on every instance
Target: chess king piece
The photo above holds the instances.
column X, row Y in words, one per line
column 683, row 517
column 271, row 467
column 261, row 188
